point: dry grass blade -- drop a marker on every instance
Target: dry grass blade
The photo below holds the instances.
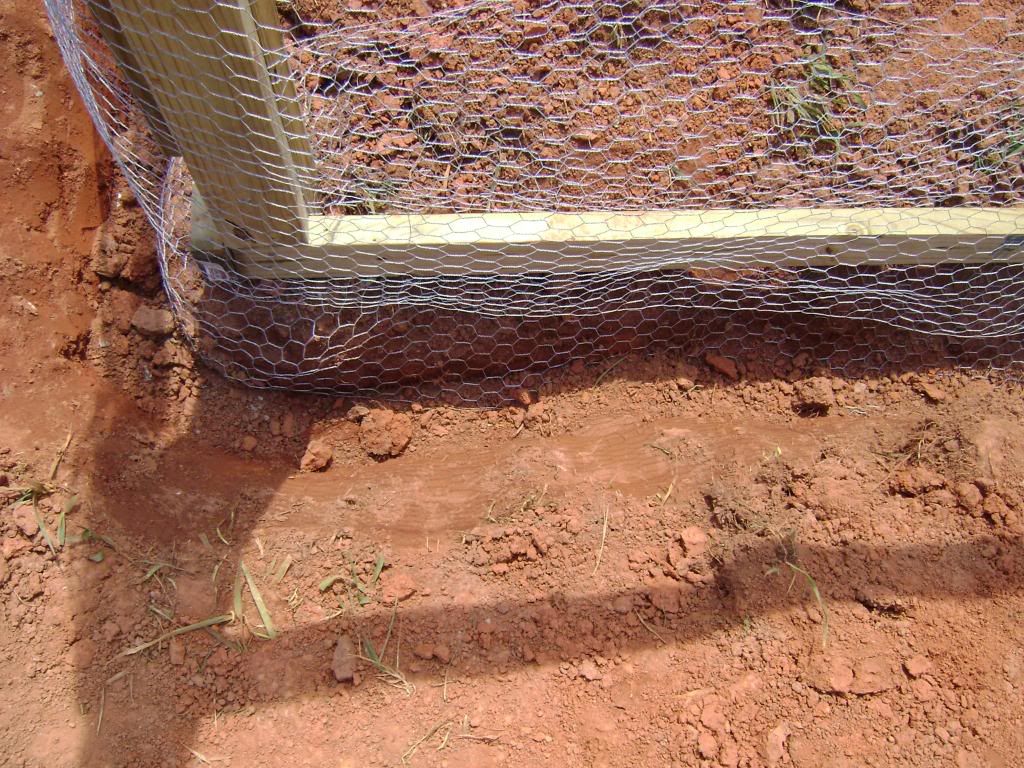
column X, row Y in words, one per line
column 236, row 596
column 203, row 758
column 649, row 628
column 212, row 621
column 481, row 738
column 103, row 706
column 151, row 572
column 615, row 364
column 60, row 457
column 664, row 497
column 385, row 672
column 604, row 536
column 223, row 640
column 407, row 755
column 114, row 678
column 282, row 571
column 261, row 606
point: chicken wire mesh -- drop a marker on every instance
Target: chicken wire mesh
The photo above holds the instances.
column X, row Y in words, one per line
column 400, row 112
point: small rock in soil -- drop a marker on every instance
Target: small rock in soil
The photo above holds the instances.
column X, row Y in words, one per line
column 730, row 756
column 153, row 322
column 917, row 665
column 723, row 365
column 343, row 665
column 713, row 717
column 318, row 456
column 82, row 653
column 815, row 396
column 932, row 392
column 707, row 745
column 588, row 671
column 969, row 496
column 357, row 413
column 623, row 604
column 176, row 651
column 873, row 675
column 914, row 482
column 840, row 675
column 997, row 509
column 25, row 519
column 694, row 540
column 423, row 651
column 385, row 433
column 249, row 443
column 775, row 747
column 442, row 653
column 398, row 587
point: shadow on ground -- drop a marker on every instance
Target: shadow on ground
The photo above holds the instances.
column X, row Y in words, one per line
column 188, row 486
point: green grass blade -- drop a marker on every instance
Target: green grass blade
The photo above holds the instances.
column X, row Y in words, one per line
column 261, row 606
column 62, row 522
column 42, row 527
column 377, row 568
column 330, row 581
column 212, row 621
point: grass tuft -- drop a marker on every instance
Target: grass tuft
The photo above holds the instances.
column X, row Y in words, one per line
column 819, row 109
column 788, row 560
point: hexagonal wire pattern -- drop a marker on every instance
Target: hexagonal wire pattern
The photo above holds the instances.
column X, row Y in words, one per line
column 424, row 108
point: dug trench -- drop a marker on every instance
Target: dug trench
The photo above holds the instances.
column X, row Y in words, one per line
column 731, row 556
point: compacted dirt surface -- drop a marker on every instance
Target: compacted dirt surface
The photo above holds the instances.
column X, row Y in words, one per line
column 650, row 561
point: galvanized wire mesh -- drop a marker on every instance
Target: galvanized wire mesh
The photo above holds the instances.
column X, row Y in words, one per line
column 422, row 107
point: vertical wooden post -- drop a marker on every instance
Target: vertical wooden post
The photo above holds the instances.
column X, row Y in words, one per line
column 235, row 123
column 110, row 27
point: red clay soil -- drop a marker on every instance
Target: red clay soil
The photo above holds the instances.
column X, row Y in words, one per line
column 424, row 106
column 698, row 559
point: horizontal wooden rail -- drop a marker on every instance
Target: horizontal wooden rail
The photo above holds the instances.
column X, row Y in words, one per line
column 514, row 243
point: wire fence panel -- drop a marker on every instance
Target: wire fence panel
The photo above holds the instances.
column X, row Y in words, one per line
column 371, row 195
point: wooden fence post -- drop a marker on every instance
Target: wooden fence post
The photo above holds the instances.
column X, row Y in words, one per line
column 202, row 68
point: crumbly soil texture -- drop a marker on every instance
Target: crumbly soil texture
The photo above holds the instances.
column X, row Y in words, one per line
column 694, row 558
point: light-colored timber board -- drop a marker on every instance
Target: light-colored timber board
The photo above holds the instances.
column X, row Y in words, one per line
column 512, row 243
column 206, row 70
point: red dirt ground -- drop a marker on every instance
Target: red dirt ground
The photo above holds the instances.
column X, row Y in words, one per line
column 647, row 566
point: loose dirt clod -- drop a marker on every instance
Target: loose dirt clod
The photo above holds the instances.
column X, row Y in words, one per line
column 722, row 365
column 917, row 665
column 385, row 434
column 345, row 660
column 150, row 321
column 318, row 456
column 814, row 396
column 931, row 391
